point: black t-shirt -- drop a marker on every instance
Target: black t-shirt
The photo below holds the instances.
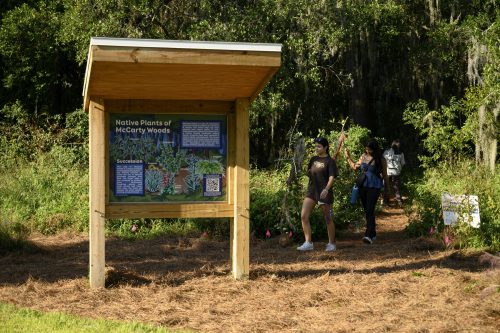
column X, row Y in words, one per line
column 319, row 170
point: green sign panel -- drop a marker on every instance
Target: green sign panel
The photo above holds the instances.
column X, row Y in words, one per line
column 167, row 158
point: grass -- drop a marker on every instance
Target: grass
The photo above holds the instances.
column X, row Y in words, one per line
column 15, row 320
column 47, row 194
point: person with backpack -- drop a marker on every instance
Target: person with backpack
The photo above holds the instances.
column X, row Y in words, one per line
column 371, row 166
column 395, row 161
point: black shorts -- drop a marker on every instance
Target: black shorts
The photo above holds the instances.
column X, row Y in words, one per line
column 314, row 195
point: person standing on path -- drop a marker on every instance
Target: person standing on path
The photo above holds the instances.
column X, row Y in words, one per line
column 370, row 163
column 321, row 170
column 395, row 161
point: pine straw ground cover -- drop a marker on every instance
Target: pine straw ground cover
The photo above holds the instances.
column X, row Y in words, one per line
column 397, row 284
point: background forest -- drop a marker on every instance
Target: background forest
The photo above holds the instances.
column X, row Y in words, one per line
column 424, row 71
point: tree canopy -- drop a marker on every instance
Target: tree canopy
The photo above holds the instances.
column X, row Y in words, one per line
column 369, row 60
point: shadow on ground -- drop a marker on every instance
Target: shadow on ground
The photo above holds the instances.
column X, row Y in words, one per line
column 171, row 261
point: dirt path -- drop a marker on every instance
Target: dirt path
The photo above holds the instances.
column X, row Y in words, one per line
column 397, row 284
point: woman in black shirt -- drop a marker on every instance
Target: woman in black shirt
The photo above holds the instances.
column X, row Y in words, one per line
column 321, row 170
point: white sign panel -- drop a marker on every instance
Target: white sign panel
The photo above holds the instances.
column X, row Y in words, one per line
column 460, row 207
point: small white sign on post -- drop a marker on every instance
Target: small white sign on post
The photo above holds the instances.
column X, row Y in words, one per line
column 460, row 207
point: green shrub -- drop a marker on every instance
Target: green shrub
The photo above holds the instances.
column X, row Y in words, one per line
column 74, row 136
column 13, row 236
column 267, row 208
column 460, row 178
column 444, row 136
column 151, row 228
column 43, row 170
column 47, row 194
column 25, row 134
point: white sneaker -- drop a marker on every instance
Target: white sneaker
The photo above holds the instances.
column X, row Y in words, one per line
column 367, row 240
column 307, row 246
column 330, row 247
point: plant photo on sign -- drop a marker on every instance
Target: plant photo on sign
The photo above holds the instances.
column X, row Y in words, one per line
column 147, row 150
column 170, row 160
column 192, row 180
column 209, row 167
column 153, row 180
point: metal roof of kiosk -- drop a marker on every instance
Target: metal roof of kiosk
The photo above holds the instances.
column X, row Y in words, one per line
column 124, row 68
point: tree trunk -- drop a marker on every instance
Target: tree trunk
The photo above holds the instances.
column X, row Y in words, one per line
column 487, row 141
column 357, row 106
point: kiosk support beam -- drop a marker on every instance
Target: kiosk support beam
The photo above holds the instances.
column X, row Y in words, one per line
column 240, row 223
column 97, row 195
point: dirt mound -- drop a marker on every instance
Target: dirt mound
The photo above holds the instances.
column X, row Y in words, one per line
column 397, row 284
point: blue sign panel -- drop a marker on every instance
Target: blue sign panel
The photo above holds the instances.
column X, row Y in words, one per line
column 129, row 179
column 200, row 134
column 167, row 158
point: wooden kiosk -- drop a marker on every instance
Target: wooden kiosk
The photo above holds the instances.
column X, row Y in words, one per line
column 169, row 134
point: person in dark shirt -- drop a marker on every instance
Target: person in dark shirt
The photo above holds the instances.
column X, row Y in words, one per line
column 321, row 171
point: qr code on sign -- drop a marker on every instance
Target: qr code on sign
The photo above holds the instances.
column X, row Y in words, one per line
column 212, row 185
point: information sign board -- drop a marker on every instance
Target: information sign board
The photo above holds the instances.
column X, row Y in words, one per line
column 167, row 158
column 460, row 207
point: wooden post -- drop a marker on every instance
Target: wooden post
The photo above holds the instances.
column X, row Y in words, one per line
column 240, row 224
column 231, row 153
column 97, row 192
